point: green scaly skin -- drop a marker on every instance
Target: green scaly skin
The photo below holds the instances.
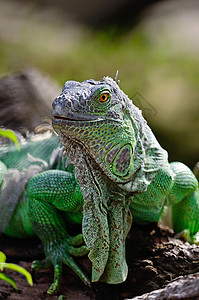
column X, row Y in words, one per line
column 25, row 211
column 123, row 173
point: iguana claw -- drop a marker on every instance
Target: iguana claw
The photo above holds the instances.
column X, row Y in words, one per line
column 187, row 237
column 59, row 253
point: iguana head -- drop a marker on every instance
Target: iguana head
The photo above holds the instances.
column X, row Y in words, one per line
column 96, row 114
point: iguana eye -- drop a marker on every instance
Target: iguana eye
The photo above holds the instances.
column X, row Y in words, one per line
column 104, row 97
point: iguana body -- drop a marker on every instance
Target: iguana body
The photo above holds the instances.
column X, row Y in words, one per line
column 122, row 171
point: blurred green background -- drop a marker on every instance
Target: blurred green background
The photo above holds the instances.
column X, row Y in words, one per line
column 155, row 48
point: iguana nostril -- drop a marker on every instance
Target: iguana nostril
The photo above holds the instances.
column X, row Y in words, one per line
column 57, row 101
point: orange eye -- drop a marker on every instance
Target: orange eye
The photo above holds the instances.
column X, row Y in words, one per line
column 104, row 97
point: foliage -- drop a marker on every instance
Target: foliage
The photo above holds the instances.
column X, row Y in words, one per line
column 13, row 267
column 11, row 135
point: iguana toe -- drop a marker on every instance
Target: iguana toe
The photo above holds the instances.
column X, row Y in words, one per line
column 77, row 240
column 196, row 238
column 187, row 237
column 40, row 264
column 57, row 278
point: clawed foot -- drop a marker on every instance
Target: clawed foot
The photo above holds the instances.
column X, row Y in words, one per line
column 59, row 253
column 186, row 236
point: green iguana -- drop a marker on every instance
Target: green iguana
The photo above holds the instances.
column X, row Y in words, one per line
column 123, row 173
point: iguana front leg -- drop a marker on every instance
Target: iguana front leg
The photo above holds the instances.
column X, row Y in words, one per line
column 48, row 192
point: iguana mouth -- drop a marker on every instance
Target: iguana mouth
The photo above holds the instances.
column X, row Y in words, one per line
column 66, row 118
